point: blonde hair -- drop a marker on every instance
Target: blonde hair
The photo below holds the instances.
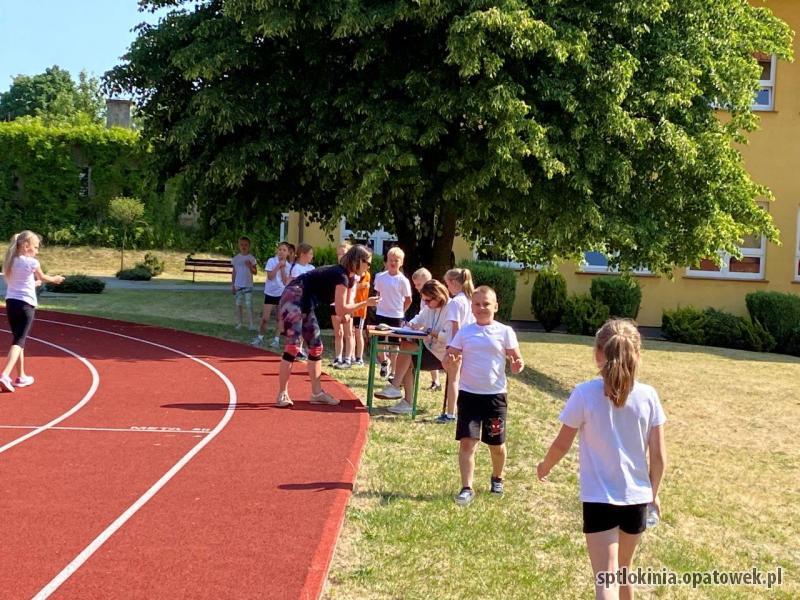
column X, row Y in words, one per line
column 18, row 240
column 354, row 257
column 485, row 289
column 464, row 278
column 621, row 344
column 422, row 275
column 396, row 251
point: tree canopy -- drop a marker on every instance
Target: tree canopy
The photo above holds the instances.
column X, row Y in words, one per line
column 53, row 96
column 541, row 127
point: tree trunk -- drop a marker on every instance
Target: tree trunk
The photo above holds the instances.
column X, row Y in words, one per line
column 122, row 253
column 442, row 257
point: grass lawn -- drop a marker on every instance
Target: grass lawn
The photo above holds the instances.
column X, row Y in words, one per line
column 730, row 495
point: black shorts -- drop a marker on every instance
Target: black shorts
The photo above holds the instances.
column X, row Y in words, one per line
column 429, row 361
column 20, row 318
column 392, row 321
column 273, row 300
column 482, row 416
column 357, row 322
column 599, row 516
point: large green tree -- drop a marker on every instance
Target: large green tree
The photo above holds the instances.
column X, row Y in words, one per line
column 542, row 127
column 54, row 96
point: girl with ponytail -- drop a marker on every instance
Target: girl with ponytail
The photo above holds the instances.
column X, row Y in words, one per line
column 620, row 421
column 23, row 274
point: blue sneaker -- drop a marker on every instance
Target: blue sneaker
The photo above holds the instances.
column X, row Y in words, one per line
column 445, row 418
column 496, row 485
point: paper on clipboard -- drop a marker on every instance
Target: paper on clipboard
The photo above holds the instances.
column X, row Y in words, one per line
column 408, row 331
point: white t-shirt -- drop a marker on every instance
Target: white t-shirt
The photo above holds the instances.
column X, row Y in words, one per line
column 243, row 276
column 394, row 289
column 613, row 442
column 275, row 287
column 459, row 310
column 433, row 321
column 297, row 269
column 21, row 285
column 483, row 356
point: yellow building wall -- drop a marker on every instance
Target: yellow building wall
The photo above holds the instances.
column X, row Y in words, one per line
column 773, row 159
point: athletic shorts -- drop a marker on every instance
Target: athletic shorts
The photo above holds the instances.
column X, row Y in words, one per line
column 358, row 322
column 392, row 322
column 272, row 300
column 20, row 319
column 599, row 516
column 429, row 361
column 482, row 417
column 298, row 324
column 244, row 297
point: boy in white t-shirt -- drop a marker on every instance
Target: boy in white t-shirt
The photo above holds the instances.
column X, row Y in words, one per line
column 244, row 267
column 481, row 349
column 394, row 290
column 620, row 421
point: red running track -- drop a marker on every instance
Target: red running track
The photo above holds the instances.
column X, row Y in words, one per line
column 151, row 463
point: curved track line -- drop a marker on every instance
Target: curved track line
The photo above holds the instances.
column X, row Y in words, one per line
column 70, row 412
column 101, row 539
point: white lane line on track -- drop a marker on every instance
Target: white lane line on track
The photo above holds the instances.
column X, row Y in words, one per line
column 70, row 412
column 101, row 539
column 134, row 429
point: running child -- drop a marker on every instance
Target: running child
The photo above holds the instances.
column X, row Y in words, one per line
column 480, row 350
column 395, row 293
column 277, row 271
column 244, row 267
column 319, row 287
column 23, row 274
column 620, row 421
column 459, row 314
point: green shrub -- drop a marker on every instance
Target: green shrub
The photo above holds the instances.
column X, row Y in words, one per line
column 622, row 295
column 377, row 265
column 549, row 298
column 154, row 264
column 779, row 313
column 685, row 325
column 502, row 280
column 78, row 284
column 325, row 256
column 730, row 331
column 138, row 273
column 793, row 342
column 584, row 315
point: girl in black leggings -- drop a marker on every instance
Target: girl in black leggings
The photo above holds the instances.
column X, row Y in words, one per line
column 23, row 274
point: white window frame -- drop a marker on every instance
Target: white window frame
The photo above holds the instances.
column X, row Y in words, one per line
column 507, row 264
column 585, row 267
column 768, row 84
column 726, row 273
column 797, row 250
column 378, row 237
column 284, row 225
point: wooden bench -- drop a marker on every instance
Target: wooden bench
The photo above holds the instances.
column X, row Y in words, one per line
column 206, row 265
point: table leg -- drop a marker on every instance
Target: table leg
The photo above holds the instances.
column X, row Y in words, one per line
column 416, row 378
column 373, row 354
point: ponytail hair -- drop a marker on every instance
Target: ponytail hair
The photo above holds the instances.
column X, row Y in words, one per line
column 353, row 258
column 18, row 240
column 464, row 278
column 620, row 344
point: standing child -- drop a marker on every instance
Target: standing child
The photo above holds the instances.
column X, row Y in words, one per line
column 480, row 350
column 395, row 293
column 459, row 314
column 244, row 267
column 620, row 420
column 359, row 320
column 301, row 264
column 22, row 273
column 341, row 325
column 277, row 271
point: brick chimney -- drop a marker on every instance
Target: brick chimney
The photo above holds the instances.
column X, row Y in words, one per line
column 118, row 113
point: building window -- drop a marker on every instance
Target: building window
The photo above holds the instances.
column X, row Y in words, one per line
column 84, row 182
column 597, row 262
column 750, row 266
column 379, row 241
column 765, row 97
column 284, row 226
column 797, row 250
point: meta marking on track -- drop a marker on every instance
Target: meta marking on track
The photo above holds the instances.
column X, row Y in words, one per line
column 195, row 430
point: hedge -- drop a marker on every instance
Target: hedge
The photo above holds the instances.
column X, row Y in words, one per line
column 622, row 295
column 712, row 327
column 549, row 298
column 78, row 284
column 584, row 315
column 501, row 279
column 779, row 314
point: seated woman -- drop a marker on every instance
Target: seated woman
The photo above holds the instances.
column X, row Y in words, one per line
column 431, row 320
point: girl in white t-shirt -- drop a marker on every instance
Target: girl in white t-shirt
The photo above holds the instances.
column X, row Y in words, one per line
column 23, row 274
column 459, row 313
column 620, row 420
column 277, row 271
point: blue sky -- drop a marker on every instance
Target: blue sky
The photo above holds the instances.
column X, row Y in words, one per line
column 73, row 34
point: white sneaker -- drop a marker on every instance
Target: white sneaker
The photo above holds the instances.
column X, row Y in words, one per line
column 344, row 364
column 389, row 393
column 276, row 343
column 324, row 398
column 259, row 339
column 401, row 408
column 283, row 400
column 23, row 381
